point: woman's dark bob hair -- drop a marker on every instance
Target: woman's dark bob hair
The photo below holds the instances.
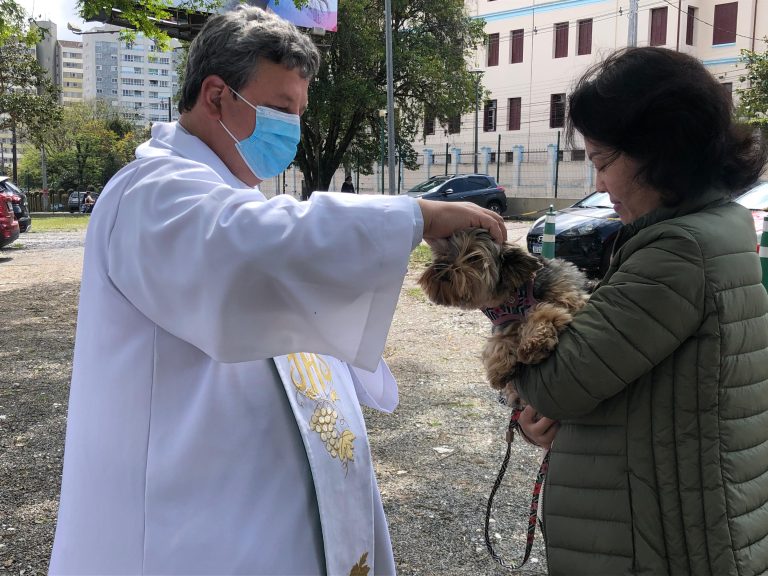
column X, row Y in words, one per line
column 666, row 111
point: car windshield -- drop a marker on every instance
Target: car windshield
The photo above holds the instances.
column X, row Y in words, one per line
column 428, row 185
column 755, row 199
column 595, row 200
column 12, row 187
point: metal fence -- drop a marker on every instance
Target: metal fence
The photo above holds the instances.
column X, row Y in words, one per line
column 540, row 167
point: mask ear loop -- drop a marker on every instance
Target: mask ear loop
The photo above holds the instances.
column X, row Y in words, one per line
column 228, row 132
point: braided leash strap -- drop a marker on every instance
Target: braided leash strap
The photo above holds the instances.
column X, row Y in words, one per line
column 534, row 509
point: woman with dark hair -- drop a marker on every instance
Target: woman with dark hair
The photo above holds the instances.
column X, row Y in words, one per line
column 655, row 402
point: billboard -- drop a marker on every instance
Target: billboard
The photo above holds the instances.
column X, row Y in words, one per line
column 318, row 14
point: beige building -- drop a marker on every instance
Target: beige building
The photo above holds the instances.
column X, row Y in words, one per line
column 70, row 64
column 534, row 53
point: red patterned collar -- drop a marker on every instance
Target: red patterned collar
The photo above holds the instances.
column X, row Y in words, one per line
column 515, row 309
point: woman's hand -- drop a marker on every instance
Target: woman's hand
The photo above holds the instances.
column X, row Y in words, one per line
column 537, row 428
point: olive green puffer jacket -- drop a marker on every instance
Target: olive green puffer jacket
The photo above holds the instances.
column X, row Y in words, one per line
column 661, row 386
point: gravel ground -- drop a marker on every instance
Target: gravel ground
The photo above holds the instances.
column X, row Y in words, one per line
column 436, row 457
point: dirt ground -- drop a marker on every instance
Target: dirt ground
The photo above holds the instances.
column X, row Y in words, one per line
column 436, row 457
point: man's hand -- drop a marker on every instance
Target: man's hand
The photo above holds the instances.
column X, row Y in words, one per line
column 539, row 429
column 441, row 219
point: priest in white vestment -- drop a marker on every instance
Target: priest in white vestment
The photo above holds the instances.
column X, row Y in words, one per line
column 225, row 341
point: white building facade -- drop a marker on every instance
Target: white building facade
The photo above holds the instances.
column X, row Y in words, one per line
column 134, row 77
column 533, row 55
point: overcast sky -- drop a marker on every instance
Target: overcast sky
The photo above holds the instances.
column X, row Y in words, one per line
column 58, row 11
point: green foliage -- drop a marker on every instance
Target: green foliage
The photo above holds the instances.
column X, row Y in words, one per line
column 143, row 14
column 28, row 100
column 14, row 25
column 431, row 44
column 753, row 103
column 91, row 143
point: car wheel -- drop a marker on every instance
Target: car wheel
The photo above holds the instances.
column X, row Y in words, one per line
column 494, row 207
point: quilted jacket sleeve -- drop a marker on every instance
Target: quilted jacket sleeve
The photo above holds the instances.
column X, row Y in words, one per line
column 639, row 316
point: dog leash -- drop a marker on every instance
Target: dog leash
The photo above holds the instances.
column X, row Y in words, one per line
column 534, row 509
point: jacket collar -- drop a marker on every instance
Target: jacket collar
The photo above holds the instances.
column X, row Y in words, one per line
column 711, row 197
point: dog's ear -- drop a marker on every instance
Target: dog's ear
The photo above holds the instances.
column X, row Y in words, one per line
column 464, row 270
column 517, row 266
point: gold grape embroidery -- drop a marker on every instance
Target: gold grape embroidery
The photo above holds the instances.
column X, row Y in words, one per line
column 361, row 568
column 313, row 379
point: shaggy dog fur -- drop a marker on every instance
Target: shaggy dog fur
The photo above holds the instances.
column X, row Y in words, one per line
column 469, row 270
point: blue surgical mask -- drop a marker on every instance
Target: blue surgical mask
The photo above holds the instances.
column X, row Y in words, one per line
column 271, row 147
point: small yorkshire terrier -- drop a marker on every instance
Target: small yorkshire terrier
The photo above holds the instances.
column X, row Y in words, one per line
column 529, row 301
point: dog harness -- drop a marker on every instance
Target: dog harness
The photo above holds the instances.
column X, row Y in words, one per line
column 515, row 309
column 533, row 513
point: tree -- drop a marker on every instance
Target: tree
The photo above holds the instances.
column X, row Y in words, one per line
column 432, row 42
column 91, row 143
column 753, row 104
column 142, row 15
column 28, row 98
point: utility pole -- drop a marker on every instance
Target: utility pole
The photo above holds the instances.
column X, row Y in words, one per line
column 477, row 111
column 44, row 175
column 632, row 32
column 390, row 96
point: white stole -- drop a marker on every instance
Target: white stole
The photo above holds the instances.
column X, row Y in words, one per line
column 322, row 395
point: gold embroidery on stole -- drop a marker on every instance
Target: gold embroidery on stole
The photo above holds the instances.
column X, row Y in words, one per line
column 313, row 379
column 361, row 568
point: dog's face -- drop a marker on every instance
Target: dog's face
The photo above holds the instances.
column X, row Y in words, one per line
column 469, row 270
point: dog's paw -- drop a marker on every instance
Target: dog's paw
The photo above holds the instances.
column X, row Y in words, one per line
column 539, row 333
column 538, row 345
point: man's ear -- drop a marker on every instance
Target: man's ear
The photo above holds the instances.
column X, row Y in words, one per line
column 212, row 91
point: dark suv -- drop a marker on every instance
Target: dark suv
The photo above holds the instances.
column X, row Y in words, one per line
column 480, row 189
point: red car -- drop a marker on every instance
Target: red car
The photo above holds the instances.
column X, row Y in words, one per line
column 19, row 203
column 9, row 226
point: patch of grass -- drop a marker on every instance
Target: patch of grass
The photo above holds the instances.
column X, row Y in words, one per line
column 61, row 223
column 421, row 255
column 458, row 404
column 415, row 293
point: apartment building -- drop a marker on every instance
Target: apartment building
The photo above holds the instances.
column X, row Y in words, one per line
column 533, row 54
column 135, row 77
column 70, row 66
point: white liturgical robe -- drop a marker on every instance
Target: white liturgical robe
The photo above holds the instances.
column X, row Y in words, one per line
column 224, row 343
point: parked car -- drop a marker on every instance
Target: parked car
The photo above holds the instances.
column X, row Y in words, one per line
column 76, row 202
column 18, row 202
column 9, row 226
column 756, row 200
column 584, row 233
column 480, row 189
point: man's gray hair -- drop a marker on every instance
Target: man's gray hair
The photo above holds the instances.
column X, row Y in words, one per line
column 231, row 44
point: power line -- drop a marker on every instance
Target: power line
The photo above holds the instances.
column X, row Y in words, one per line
column 710, row 24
